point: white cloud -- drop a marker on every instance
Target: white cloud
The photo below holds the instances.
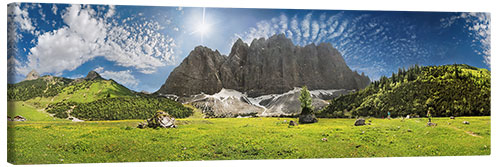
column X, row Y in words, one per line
column 295, row 28
column 283, row 23
column 54, row 9
column 20, row 17
column 479, row 26
column 86, row 36
column 111, row 11
column 99, row 69
column 123, row 77
column 305, row 24
column 314, row 30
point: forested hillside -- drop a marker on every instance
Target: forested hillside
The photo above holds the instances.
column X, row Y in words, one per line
column 46, row 86
column 449, row 90
column 91, row 98
column 119, row 108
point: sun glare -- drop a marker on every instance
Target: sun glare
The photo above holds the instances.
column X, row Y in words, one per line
column 203, row 28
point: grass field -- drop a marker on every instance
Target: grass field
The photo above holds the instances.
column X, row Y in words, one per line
column 41, row 142
column 27, row 111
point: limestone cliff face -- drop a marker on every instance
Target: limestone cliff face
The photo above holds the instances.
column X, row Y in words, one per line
column 199, row 72
column 267, row 66
column 32, row 75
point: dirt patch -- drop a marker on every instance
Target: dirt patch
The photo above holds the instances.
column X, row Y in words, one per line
column 468, row 132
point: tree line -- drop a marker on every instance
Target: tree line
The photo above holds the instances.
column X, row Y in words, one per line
column 448, row 90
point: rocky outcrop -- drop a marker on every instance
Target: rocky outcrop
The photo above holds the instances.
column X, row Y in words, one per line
column 32, row 75
column 92, row 75
column 271, row 66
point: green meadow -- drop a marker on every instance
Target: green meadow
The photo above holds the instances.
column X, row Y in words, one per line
column 43, row 141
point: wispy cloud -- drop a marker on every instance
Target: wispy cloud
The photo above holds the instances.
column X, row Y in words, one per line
column 87, row 35
column 123, row 77
column 364, row 41
column 479, row 26
column 20, row 17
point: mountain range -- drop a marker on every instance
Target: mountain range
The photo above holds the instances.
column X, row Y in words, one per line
column 266, row 66
column 261, row 78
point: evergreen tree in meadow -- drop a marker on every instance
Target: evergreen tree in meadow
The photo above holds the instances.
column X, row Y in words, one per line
column 306, row 115
column 305, row 101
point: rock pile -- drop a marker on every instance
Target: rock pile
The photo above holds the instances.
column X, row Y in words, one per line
column 160, row 120
column 359, row 122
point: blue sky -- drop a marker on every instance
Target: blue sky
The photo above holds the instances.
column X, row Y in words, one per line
column 139, row 46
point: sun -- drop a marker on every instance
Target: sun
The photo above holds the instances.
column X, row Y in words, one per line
column 202, row 28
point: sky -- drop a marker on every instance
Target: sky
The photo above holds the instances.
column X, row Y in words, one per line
column 138, row 46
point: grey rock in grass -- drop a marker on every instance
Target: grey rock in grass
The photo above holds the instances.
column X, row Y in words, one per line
column 307, row 118
column 292, row 123
column 452, row 117
column 466, row 122
column 18, row 118
column 359, row 122
column 160, row 120
column 142, row 125
column 431, row 124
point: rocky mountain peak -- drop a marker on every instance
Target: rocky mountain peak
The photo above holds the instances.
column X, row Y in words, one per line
column 92, row 75
column 32, row 75
column 266, row 66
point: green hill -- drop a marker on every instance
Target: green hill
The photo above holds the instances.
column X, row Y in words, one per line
column 45, row 86
column 448, row 90
column 89, row 98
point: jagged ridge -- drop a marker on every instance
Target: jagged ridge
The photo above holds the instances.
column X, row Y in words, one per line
column 271, row 66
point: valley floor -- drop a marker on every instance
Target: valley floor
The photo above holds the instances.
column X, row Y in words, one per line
column 47, row 142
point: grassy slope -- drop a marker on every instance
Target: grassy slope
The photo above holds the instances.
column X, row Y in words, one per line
column 243, row 138
column 84, row 92
column 27, row 111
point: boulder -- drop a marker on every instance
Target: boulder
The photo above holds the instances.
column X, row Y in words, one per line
column 160, row 120
column 359, row 122
column 19, row 118
column 142, row 125
column 452, row 117
column 431, row 124
column 292, row 123
column 466, row 122
column 307, row 118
